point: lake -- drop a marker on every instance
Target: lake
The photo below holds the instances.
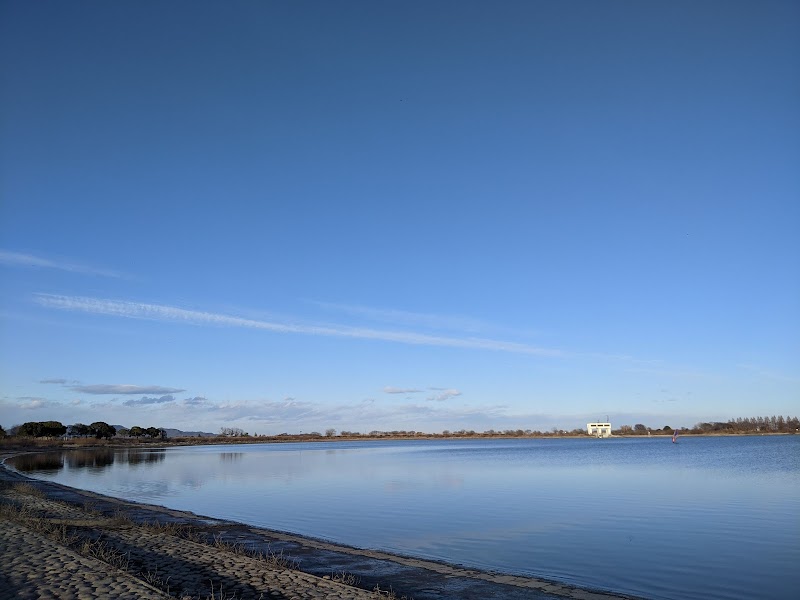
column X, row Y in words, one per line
column 706, row 518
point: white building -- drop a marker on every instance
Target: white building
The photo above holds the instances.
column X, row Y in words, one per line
column 600, row 430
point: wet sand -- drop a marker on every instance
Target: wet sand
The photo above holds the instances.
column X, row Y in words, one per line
column 175, row 554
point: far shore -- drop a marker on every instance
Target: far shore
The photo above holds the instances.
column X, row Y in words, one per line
column 14, row 443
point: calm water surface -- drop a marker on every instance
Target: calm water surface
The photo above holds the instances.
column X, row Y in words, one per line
column 707, row 518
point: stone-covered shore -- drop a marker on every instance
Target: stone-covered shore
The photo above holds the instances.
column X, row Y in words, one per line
column 66, row 544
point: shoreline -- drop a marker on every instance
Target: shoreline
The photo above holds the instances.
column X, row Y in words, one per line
column 12, row 446
column 319, row 563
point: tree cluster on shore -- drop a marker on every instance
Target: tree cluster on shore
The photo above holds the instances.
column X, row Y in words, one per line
column 233, row 432
column 98, row 430
column 54, row 429
column 40, row 429
column 138, row 432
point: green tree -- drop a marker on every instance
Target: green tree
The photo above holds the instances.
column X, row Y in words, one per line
column 41, row 429
column 2, row 432
column 79, row 429
column 136, row 431
column 102, row 430
column 53, row 429
column 30, row 429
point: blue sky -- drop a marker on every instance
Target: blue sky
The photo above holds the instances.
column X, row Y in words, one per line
column 289, row 216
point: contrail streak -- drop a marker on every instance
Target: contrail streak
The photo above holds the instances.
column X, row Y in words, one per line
column 160, row 312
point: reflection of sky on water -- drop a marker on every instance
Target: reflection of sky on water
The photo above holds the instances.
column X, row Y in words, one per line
column 405, row 485
column 629, row 515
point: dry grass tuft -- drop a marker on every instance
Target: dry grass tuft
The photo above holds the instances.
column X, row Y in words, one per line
column 179, row 530
column 388, row 594
column 346, row 578
column 28, row 490
column 273, row 559
column 106, row 553
column 121, row 518
column 91, row 507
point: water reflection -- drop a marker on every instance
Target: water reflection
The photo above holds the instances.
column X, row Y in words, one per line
column 89, row 459
column 135, row 457
column 231, row 456
column 45, row 463
column 93, row 460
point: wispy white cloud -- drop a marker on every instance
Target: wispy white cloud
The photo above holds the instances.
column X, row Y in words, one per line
column 104, row 388
column 159, row 312
column 657, row 367
column 288, row 412
column 443, row 395
column 402, row 317
column 145, row 400
column 55, row 381
column 18, row 259
column 196, row 401
column 33, row 403
column 393, row 390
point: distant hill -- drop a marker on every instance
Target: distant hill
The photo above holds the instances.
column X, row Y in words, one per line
column 171, row 433
column 176, row 433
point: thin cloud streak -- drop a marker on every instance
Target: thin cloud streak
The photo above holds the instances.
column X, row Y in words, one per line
column 158, row 312
column 103, row 388
column 444, row 395
column 403, row 317
column 18, row 259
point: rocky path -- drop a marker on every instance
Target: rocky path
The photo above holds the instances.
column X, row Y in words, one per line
column 34, row 567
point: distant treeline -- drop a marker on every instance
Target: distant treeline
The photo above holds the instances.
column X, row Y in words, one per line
column 773, row 424
column 99, row 430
